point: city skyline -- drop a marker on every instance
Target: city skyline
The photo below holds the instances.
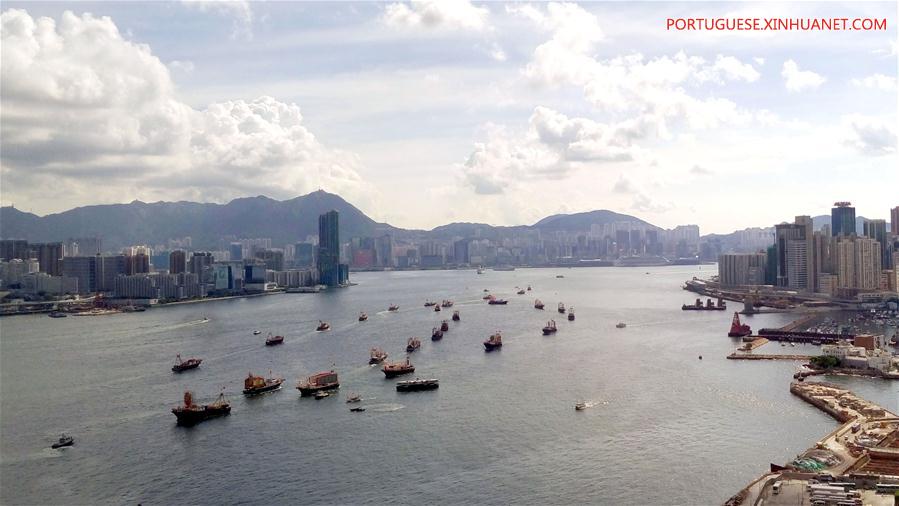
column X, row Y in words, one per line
column 519, row 120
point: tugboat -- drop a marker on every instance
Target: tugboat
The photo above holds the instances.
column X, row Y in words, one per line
column 709, row 305
column 192, row 414
column 436, row 334
column 255, row 385
column 63, row 441
column 550, row 328
column 620, row 325
column 738, row 329
column 495, row 342
column 412, row 344
column 538, row 304
column 417, row 384
column 444, row 326
column 497, row 302
column 377, row 356
column 395, row 369
column 393, row 307
column 183, row 365
column 273, row 340
column 446, row 303
column 429, row 303
column 318, row 383
column 57, row 314
column 561, row 308
column 351, row 398
column 571, row 314
column 436, row 309
column 456, row 316
column 323, row 326
column 363, row 316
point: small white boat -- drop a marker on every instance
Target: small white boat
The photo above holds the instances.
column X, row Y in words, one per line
column 257, row 332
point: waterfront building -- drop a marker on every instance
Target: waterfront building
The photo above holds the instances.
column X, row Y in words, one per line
column 88, row 270
column 328, row 260
column 49, row 256
column 37, row 283
column 177, row 262
column 304, row 255
column 200, row 264
column 136, row 286
column 13, row 271
column 842, row 219
column 740, row 269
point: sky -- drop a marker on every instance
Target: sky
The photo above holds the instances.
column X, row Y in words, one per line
column 431, row 112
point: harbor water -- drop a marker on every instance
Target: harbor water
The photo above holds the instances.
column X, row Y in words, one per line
column 663, row 426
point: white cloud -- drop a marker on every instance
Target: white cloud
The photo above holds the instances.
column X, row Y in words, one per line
column 759, row 60
column 239, row 11
column 797, row 80
column 698, row 170
column 877, row 82
column 869, row 135
column 97, row 115
column 448, row 14
column 185, row 66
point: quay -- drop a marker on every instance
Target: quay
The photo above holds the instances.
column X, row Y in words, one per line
column 751, row 356
column 858, row 462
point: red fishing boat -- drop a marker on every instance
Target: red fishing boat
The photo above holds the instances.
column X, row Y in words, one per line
column 257, row 384
column 444, row 326
column 447, row 303
column 550, row 328
column 456, row 316
column 192, row 414
column 436, row 334
column 538, row 304
column 377, row 355
column 395, row 369
column 320, row 382
column 494, row 342
column 183, row 365
column 413, row 344
column 273, row 340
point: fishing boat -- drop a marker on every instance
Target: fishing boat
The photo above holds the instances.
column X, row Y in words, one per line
column 456, row 316
column 444, row 326
column 321, row 395
column 529, row 288
column 436, row 334
column 363, row 317
column 436, row 309
column 620, row 325
column 353, row 397
column 357, row 410
column 571, row 314
column 494, row 342
column 255, row 385
column 497, row 302
column 192, row 414
column 561, row 308
column 550, row 328
column 63, row 441
column 413, row 344
column 257, row 332
column 377, row 355
column 538, row 304
column 323, row 326
column 520, row 292
column 559, row 276
column 429, row 303
column 273, row 340
column 488, row 296
column 319, row 382
column 393, row 307
column 580, row 406
column 395, row 369
column 183, row 365
column 57, row 314
column 417, row 385
column 446, row 303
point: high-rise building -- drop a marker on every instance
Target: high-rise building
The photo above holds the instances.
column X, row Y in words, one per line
column 236, row 251
column 49, row 256
column 842, row 219
column 877, row 230
column 894, row 221
column 273, row 259
column 86, row 269
column 461, row 252
column 14, row 248
column 795, row 254
column 858, row 263
column 200, row 264
column 384, row 250
column 304, row 254
column 177, row 262
column 739, row 269
column 328, row 261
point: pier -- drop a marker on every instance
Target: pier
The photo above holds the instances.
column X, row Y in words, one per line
column 755, row 356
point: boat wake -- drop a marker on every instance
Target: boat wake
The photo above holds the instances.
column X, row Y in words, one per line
column 384, row 408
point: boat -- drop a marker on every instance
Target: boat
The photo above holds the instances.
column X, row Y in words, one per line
column 580, row 406
column 700, row 357
column 456, row 316
column 446, row 303
column 273, row 340
column 529, row 288
column 63, row 441
column 429, row 303
column 495, row 341
column 413, row 344
column 357, row 410
column 395, row 369
column 520, row 292
column 57, row 314
column 480, row 270
column 363, row 317
column 436, row 309
column 538, row 304
column 444, row 326
column 254, row 385
column 436, row 334
column 318, row 382
column 323, row 326
column 377, row 355
column 417, row 384
column 488, row 297
column 620, row 325
column 192, row 414
column 393, row 307
column 561, row 308
column 559, row 276
column 204, row 320
column 550, row 328
column 351, row 398
column 183, row 365
column 793, row 345
column 708, row 306
column 257, row 332
column 321, row 394
column 497, row 302
column 738, row 329
column 571, row 314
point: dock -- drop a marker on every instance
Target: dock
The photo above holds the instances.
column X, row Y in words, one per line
column 757, row 356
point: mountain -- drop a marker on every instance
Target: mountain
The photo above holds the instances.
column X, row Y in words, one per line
column 154, row 223
column 583, row 221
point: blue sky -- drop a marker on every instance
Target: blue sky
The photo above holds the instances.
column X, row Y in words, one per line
column 429, row 112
